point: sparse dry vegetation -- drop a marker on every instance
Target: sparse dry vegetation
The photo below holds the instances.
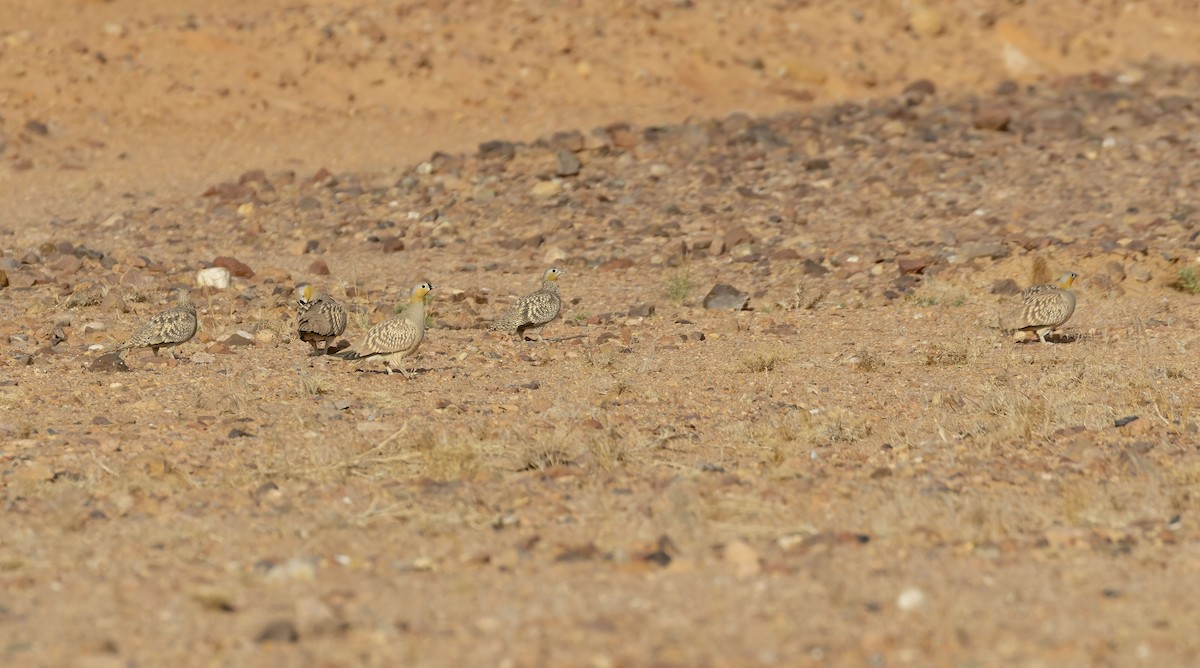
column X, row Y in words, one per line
column 855, row 469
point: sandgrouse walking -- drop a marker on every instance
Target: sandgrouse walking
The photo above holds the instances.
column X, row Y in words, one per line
column 531, row 313
column 393, row 340
column 1043, row 308
column 167, row 329
column 320, row 320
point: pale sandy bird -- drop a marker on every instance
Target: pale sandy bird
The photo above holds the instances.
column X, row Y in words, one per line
column 393, row 340
column 167, row 329
column 1043, row 308
column 531, row 313
column 320, row 320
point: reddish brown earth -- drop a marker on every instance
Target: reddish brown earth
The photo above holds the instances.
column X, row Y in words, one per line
column 854, row 469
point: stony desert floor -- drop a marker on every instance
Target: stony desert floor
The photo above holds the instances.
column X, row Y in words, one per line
column 855, row 468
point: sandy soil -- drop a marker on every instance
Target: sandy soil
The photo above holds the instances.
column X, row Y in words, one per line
column 855, row 468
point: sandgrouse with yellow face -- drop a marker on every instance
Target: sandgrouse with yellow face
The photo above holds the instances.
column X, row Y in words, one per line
column 1043, row 308
column 166, row 329
column 531, row 313
column 391, row 341
column 320, row 320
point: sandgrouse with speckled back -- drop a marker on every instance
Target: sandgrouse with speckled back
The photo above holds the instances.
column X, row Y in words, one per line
column 320, row 320
column 391, row 341
column 1043, row 308
column 531, row 313
column 167, row 329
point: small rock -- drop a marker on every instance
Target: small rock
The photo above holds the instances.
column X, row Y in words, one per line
column 911, row 599
column 743, row 558
column 913, row 265
column 918, row 91
column 568, row 163
column 1005, row 286
column 108, row 362
column 726, row 297
column 235, row 266
column 315, row 618
column 318, row 268
column 114, row 302
column 497, row 150
column 239, row 339
column 37, row 127
column 3, row 279
column 641, row 311
column 926, row 21
column 213, row 277
column 67, row 264
column 264, row 336
column 813, row 268
column 308, row 203
column 280, row 630
column 992, row 118
column 203, row 358
column 737, row 236
column 545, row 189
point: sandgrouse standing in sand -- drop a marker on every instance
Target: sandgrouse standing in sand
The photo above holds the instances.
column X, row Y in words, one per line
column 320, row 320
column 167, row 329
column 531, row 313
column 1043, row 308
column 391, row 341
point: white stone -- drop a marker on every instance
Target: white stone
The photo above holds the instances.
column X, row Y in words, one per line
column 911, row 599
column 213, row 277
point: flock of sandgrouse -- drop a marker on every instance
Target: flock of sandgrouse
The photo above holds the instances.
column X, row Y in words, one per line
column 321, row 320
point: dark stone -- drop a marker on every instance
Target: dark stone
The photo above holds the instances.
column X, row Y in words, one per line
column 280, row 630
column 916, row 92
column 726, row 297
column 641, row 311
column 37, row 127
column 814, row 268
column 568, row 163
column 107, row 363
column 497, row 150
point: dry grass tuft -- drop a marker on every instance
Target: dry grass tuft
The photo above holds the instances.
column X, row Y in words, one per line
column 867, row 360
column 1039, row 271
column 762, row 362
column 804, row 297
column 961, row 354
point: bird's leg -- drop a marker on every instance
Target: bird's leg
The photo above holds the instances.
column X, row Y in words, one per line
column 1042, row 335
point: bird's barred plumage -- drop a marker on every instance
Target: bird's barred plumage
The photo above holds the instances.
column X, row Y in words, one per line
column 391, row 341
column 320, row 320
column 1043, row 308
column 531, row 313
column 166, row 329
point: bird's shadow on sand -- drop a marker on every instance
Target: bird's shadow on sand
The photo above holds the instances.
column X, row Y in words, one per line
column 1052, row 338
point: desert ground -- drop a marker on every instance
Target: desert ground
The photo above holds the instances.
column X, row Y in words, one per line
column 835, row 459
